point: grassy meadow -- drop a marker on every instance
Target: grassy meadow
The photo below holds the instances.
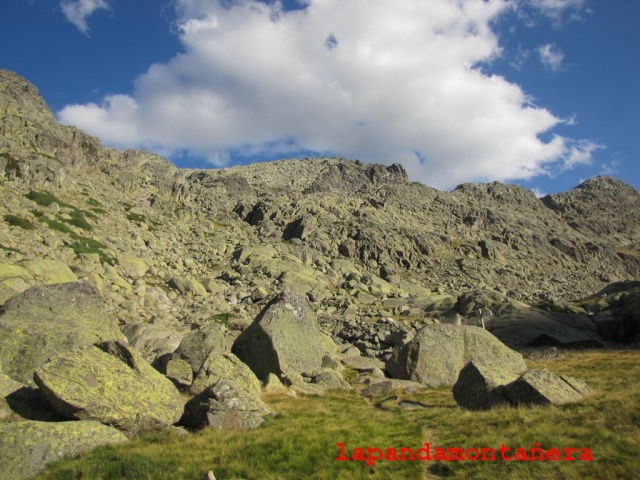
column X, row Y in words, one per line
column 302, row 441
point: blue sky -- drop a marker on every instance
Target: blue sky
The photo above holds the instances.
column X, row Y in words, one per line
column 544, row 93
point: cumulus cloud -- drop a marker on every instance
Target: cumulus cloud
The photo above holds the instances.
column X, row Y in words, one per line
column 78, row 11
column 377, row 80
column 551, row 57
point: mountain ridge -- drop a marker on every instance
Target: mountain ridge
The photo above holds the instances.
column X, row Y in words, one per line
column 410, row 236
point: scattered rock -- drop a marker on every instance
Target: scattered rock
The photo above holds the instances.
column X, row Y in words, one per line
column 27, row 446
column 437, row 354
column 111, row 383
column 43, row 321
column 226, row 405
column 283, row 339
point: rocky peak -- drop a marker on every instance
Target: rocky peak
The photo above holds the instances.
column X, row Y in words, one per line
column 21, row 98
column 602, row 205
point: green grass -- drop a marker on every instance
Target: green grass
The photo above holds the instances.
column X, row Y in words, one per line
column 89, row 245
column 223, row 318
column 16, row 221
column 44, row 199
column 301, row 442
column 298, row 444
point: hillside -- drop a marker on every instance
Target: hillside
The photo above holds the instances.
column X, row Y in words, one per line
column 136, row 296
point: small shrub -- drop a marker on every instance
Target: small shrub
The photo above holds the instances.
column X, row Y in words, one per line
column 17, row 221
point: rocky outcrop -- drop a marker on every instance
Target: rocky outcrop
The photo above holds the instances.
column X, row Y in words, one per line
column 540, row 387
column 284, row 339
column 27, row 446
column 536, row 328
column 437, row 354
column 111, row 383
column 226, row 405
column 481, row 387
column 45, row 321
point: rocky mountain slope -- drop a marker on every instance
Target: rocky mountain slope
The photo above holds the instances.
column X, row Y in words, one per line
column 234, row 280
column 349, row 228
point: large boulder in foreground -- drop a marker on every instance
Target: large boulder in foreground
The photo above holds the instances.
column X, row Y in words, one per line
column 111, row 383
column 17, row 278
column 284, row 339
column 26, row 447
column 226, row 405
column 437, row 354
column 541, row 387
column 480, row 387
column 43, row 321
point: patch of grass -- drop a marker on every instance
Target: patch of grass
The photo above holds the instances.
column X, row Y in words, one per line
column 16, row 221
column 57, row 226
column 89, row 245
column 136, row 217
column 301, row 442
column 223, row 318
column 93, row 202
column 100, row 211
column 44, row 199
column 77, row 220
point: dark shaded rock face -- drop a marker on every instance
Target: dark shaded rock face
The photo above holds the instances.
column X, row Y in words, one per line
column 535, row 328
column 481, row 387
column 226, row 405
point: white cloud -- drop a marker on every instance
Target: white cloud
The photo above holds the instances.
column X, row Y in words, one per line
column 580, row 153
column 377, row 80
column 558, row 10
column 551, row 57
column 78, row 11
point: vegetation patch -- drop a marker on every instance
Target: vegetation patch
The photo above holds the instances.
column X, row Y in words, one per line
column 57, row 226
column 44, row 199
column 93, row 202
column 89, row 245
column 16, row 221
column 77, row 220
column 302, row 441
column 223, row 318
